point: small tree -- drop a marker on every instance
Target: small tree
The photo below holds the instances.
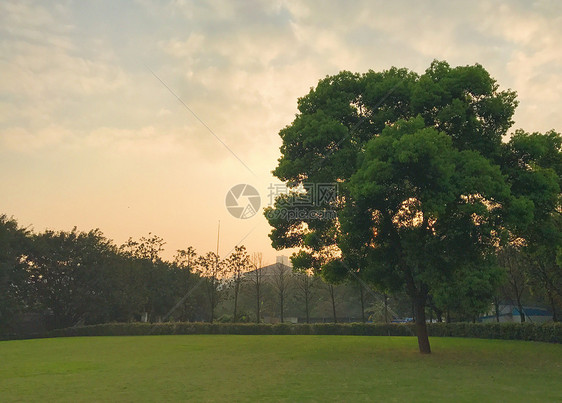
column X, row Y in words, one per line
column 185, row 260
column 512, row 260
column 237, row 264
column 256, row 278
column 282, row 282
column 306, row 284
column 212, row 269
column 147, row 248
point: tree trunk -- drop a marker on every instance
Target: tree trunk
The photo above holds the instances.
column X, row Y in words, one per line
column 421, row 326
column 553, row 305
column 362, row 303
column 521, row 313
column 306, row 307
column 258, row 319
column 497, row 308
column 235, row 316
column 385, row 308
column 281, row 301
column 519, row 305
column 212, row 298
column 439, row 315
column 333, row 303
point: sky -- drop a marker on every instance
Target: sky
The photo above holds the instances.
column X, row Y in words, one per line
column 138, row 117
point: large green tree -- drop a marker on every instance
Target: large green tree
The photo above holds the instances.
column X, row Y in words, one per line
column 422, row 195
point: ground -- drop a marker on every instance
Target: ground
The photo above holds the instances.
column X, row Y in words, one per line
column 278, row 368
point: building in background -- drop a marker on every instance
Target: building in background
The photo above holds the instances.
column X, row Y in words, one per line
column 510, row 313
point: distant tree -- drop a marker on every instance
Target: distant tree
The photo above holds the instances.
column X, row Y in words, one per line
column 306, row 284
column 212, row 269
column 237, row 264
column 334, row 273
column 147, row 248
column 470, row 295
column 155, row 272
column 281, row 280
column 256, row 278
column 363, row 289
column 545, row 278
column 68, row 272
column 513, row 261
column 126, row 285
column 185, row 260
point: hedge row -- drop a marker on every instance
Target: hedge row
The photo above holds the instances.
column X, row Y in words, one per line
column 548, row 332
column 347, row 329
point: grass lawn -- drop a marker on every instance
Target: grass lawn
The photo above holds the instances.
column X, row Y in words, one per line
column 278, row 368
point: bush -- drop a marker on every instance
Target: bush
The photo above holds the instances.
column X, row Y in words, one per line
column 547, row 332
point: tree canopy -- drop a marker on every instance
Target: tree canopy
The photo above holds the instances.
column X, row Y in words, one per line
column 427, row 191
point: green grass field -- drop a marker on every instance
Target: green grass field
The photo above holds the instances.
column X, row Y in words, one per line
column 278, row 368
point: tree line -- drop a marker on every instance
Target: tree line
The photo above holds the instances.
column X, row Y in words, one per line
column 80, row 278
column 75, row 277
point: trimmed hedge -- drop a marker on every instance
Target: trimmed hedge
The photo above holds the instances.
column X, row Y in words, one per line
column 133, row 329
column 548, row 332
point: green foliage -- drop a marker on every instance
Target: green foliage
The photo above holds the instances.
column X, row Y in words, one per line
column 546, row 332
column 427, row 189
column 68, row 272
column 430, row 211
column 13, row 276
column 534, row 165
column 74, row 277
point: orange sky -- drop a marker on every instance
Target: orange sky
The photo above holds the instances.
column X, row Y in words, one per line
column 89, row 137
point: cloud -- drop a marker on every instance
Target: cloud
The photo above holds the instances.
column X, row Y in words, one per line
column 241, row 66
column 533, row 33
column 74, row 87
column 20, row 139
